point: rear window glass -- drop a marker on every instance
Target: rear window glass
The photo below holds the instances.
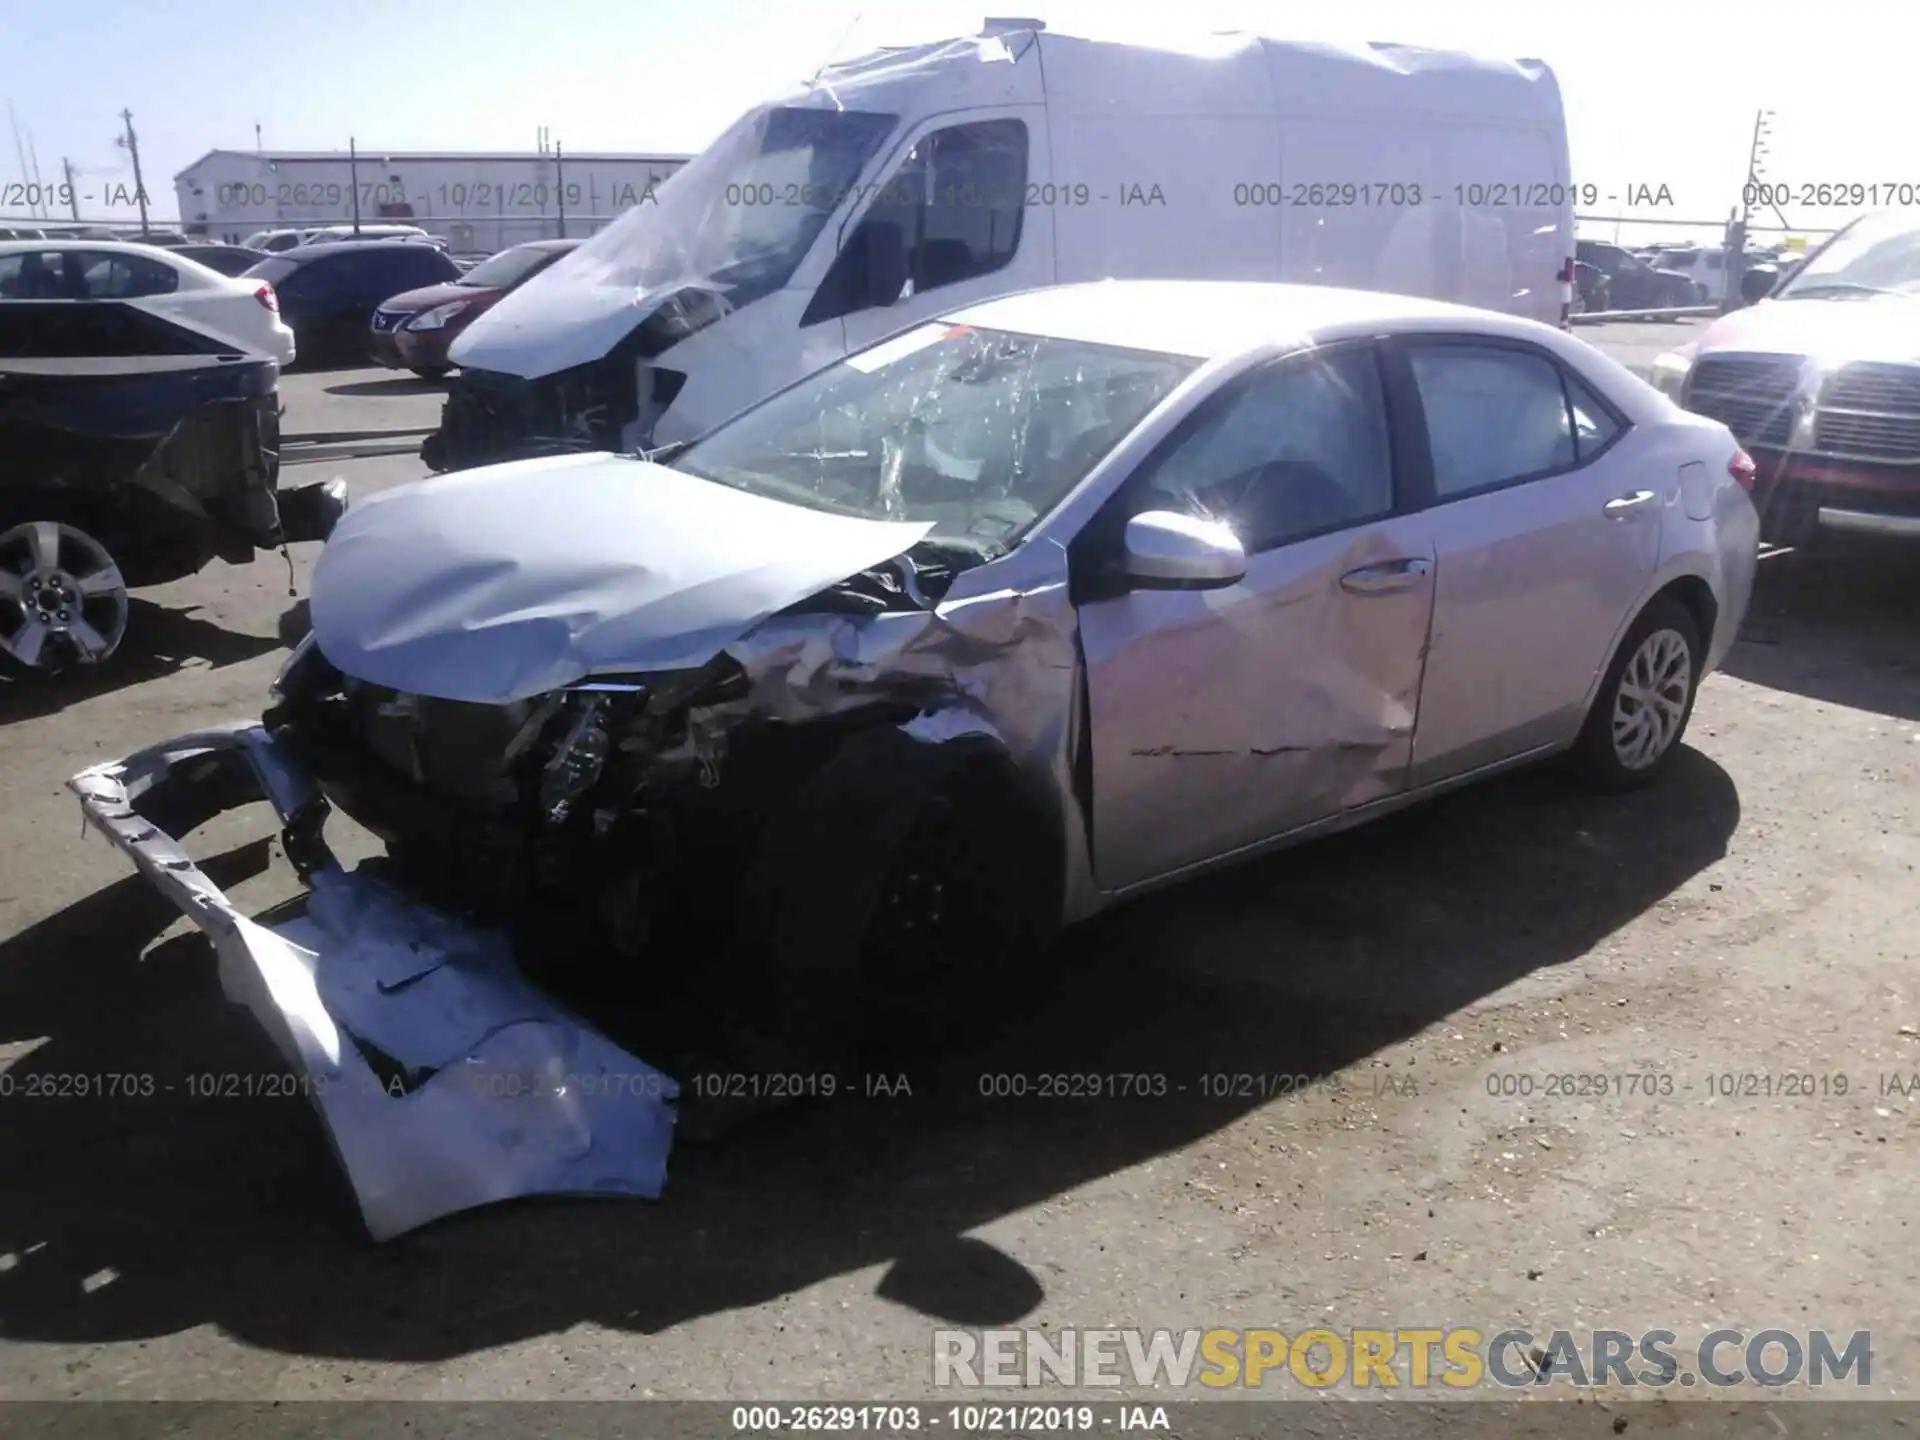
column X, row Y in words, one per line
column 273, row 270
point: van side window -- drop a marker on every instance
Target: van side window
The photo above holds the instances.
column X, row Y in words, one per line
column 951, row 212
column 976, row 185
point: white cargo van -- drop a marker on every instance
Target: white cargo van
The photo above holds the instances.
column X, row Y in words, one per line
column 911, row 181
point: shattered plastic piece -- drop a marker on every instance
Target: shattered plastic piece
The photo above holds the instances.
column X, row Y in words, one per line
column 500, row 1093
column 936, row 727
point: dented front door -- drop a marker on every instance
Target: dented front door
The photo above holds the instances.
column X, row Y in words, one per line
column 1221, row 718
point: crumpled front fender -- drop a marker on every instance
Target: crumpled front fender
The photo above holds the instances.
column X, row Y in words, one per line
column 442, row 1078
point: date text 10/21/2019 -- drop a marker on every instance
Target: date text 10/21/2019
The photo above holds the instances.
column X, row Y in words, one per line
column 32, row 195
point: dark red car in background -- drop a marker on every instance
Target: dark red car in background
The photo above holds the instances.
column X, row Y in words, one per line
column 412, row 330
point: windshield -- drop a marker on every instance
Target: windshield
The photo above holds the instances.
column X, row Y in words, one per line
column 980, row 432
column 743, row 212
column 1877, row 254
column 509, row 267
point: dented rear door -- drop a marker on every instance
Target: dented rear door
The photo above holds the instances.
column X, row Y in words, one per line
column 1222, row 718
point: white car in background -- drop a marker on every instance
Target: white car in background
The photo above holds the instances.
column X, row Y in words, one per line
column 274, row 241
column 235, row 310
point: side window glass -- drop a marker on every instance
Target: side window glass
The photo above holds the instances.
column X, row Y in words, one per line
column 1299, row 451
column 952, row 211
column 975, row 184
column 33, row 276
column 414, row 271
column 1493, row 416
column 1593, row 424
column 126, row 277
column 310, row 284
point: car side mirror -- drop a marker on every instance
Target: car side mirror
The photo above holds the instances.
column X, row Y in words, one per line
column 1169, row 551
column 886, row 262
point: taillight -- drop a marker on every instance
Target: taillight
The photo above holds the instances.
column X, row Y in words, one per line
column 1741, row 467
column 267, row 298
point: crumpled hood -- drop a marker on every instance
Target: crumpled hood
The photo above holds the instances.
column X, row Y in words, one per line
column 504, row 582
column 1880, row 329
column 554, row 322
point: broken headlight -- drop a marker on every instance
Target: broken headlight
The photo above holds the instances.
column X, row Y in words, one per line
column 576, row 763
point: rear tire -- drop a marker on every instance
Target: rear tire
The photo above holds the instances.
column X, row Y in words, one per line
column 1645, row 699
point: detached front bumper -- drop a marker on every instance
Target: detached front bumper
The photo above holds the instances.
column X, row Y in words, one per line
column 442, row 1078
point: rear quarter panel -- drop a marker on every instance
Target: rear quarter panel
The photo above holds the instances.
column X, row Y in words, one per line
column 1721, row 545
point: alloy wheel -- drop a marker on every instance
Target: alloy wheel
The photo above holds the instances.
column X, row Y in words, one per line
column 1650, row 702
column 62, row 598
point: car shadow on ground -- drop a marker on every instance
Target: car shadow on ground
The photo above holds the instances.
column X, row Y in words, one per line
column 402, row 384
column 1840, row 626
column 160, row 639
column 145, row 1213
column 333, row 365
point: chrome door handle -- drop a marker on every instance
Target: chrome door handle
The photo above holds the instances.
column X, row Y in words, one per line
column 1387, row 575
column 1625, row 505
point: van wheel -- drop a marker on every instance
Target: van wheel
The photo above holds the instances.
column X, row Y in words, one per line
column 889, row 898
column 1644, row 701
column 63, row 601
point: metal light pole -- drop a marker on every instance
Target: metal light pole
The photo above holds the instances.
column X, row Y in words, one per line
column 353, row 179
column 560, row 186
column 132, row 144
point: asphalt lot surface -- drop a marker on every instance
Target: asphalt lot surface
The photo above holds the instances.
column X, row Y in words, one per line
column 1752, row 917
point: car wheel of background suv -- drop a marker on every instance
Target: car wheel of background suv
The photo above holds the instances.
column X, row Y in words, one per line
column 1645, row 699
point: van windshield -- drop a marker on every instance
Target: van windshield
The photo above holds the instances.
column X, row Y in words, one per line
column 980, row 432
column 742, row 213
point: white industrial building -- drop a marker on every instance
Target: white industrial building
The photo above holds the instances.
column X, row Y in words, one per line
column 479, row 202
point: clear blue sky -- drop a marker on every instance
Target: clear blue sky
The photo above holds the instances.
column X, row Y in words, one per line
column 1661, row 94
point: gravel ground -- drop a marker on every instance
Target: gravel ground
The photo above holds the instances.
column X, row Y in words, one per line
column 1753, row 916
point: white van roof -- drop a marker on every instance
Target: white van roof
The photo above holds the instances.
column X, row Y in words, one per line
column 1231, row 72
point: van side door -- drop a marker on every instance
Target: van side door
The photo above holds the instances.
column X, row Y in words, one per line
column 957, row 215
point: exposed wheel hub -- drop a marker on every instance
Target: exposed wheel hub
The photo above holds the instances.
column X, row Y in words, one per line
column 52, row 596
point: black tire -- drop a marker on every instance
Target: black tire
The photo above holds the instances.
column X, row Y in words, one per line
column 1596, row 757
column 831, row 966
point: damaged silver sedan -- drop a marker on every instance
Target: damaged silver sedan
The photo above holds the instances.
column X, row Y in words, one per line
column 844, row 708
